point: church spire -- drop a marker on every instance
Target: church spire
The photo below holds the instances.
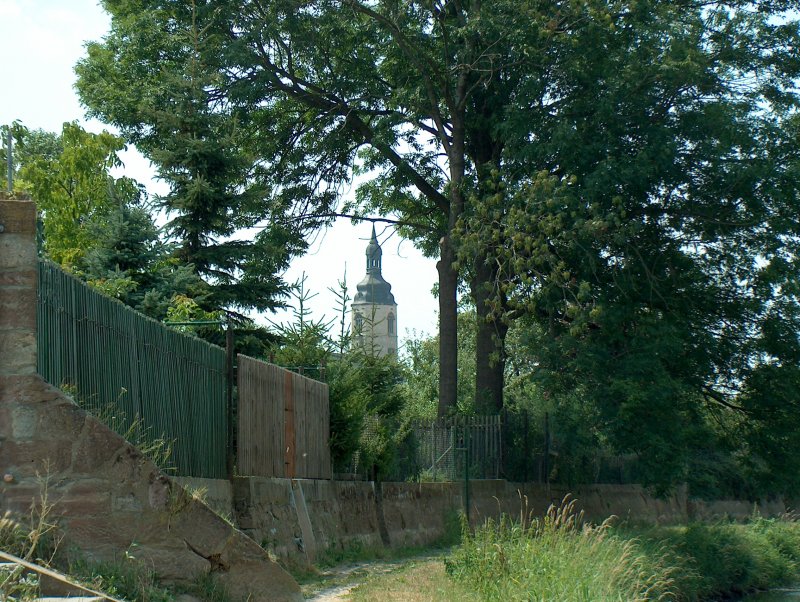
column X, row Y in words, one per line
column 374, row 307
column 373, row 288
column 373, row 253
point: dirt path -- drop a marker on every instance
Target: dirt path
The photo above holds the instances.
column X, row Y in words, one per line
column 336, row 582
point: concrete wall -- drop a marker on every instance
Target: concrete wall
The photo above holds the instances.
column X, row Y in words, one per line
column 106, row 497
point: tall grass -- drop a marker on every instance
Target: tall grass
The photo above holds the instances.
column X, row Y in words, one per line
column 561, row 557
column 719, row 560
column 558, row 557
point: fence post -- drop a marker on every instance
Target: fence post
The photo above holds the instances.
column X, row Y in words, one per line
column 10, row 161
column 466, row 466
column 230, row 456
column 527, row 455
column 547, row 451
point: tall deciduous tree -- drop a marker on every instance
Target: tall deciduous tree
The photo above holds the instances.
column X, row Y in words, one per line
column 68, row 175
column 655, row 246
column 454, row 106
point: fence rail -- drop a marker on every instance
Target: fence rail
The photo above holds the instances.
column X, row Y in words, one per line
column 283, row 423
column 115, row 359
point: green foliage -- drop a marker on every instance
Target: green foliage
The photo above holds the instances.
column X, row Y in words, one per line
column 196, row 140
column 649, row 239
column 560, row 558
column 130, row 262
column 304, row 342
column 718, row 560
column 421, row 360
column 557, row 557
column 68, row 175
column 366, row 397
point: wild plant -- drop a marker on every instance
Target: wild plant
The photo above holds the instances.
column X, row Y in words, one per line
column 559, row 556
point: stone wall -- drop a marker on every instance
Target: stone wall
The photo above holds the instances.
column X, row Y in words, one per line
column 110, row 502
column 300, row 519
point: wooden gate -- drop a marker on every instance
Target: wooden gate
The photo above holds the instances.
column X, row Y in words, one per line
column 283, row 423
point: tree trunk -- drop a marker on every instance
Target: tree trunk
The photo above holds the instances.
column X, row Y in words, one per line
column 490, row 337
column 448, row 332
column 448, row 276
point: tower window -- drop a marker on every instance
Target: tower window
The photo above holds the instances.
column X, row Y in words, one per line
column 390, row 323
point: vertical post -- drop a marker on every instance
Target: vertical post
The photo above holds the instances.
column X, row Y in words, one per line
column 18, row 283
column 547, row 451
column 10, row 161
column 466, row 468
column 229, row 352
column 526, row 455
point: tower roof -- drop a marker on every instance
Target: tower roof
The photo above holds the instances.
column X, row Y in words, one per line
column 373, row 289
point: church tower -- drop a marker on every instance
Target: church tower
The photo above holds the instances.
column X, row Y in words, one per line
column 374, row 321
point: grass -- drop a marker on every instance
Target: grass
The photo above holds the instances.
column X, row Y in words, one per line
column 351, row 562
column 34, row 538
column 559, row 557
column 417, row 581
column 724, row 559
column 132, row 580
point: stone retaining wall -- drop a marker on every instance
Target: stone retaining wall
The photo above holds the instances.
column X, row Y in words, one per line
column 109, row 501
column 299, row 519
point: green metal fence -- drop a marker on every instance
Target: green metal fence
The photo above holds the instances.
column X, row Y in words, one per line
column 117, row 360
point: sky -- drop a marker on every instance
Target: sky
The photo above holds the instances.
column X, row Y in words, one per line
column 40, row 42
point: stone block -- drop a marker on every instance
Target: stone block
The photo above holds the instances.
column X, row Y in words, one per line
column 18, row 217
column 60, row 419
column 17, row 352
column 20, row 498
column 196, row 525
column 17, row 308
column 175, row 563
column 28, row 388
column 17, row 252
column 259, row 581
column 101, row 539
column 24, row 419
column 36, row 456
column 126, row 503
column 83, row 501
column 21, row 277
column 97, row 447
column 5, row 422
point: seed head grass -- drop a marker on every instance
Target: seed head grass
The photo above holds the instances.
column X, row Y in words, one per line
column 557, row 557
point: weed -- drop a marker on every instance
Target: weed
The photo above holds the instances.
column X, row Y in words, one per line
column 560, row 557
column 557, row 557
column 33, row 543
column 156, row 448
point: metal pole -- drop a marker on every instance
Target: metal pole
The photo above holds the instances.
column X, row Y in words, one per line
column 547, row 451
column 527, row 453
column 466, row 468
column 10, row 161
column 229, row 352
